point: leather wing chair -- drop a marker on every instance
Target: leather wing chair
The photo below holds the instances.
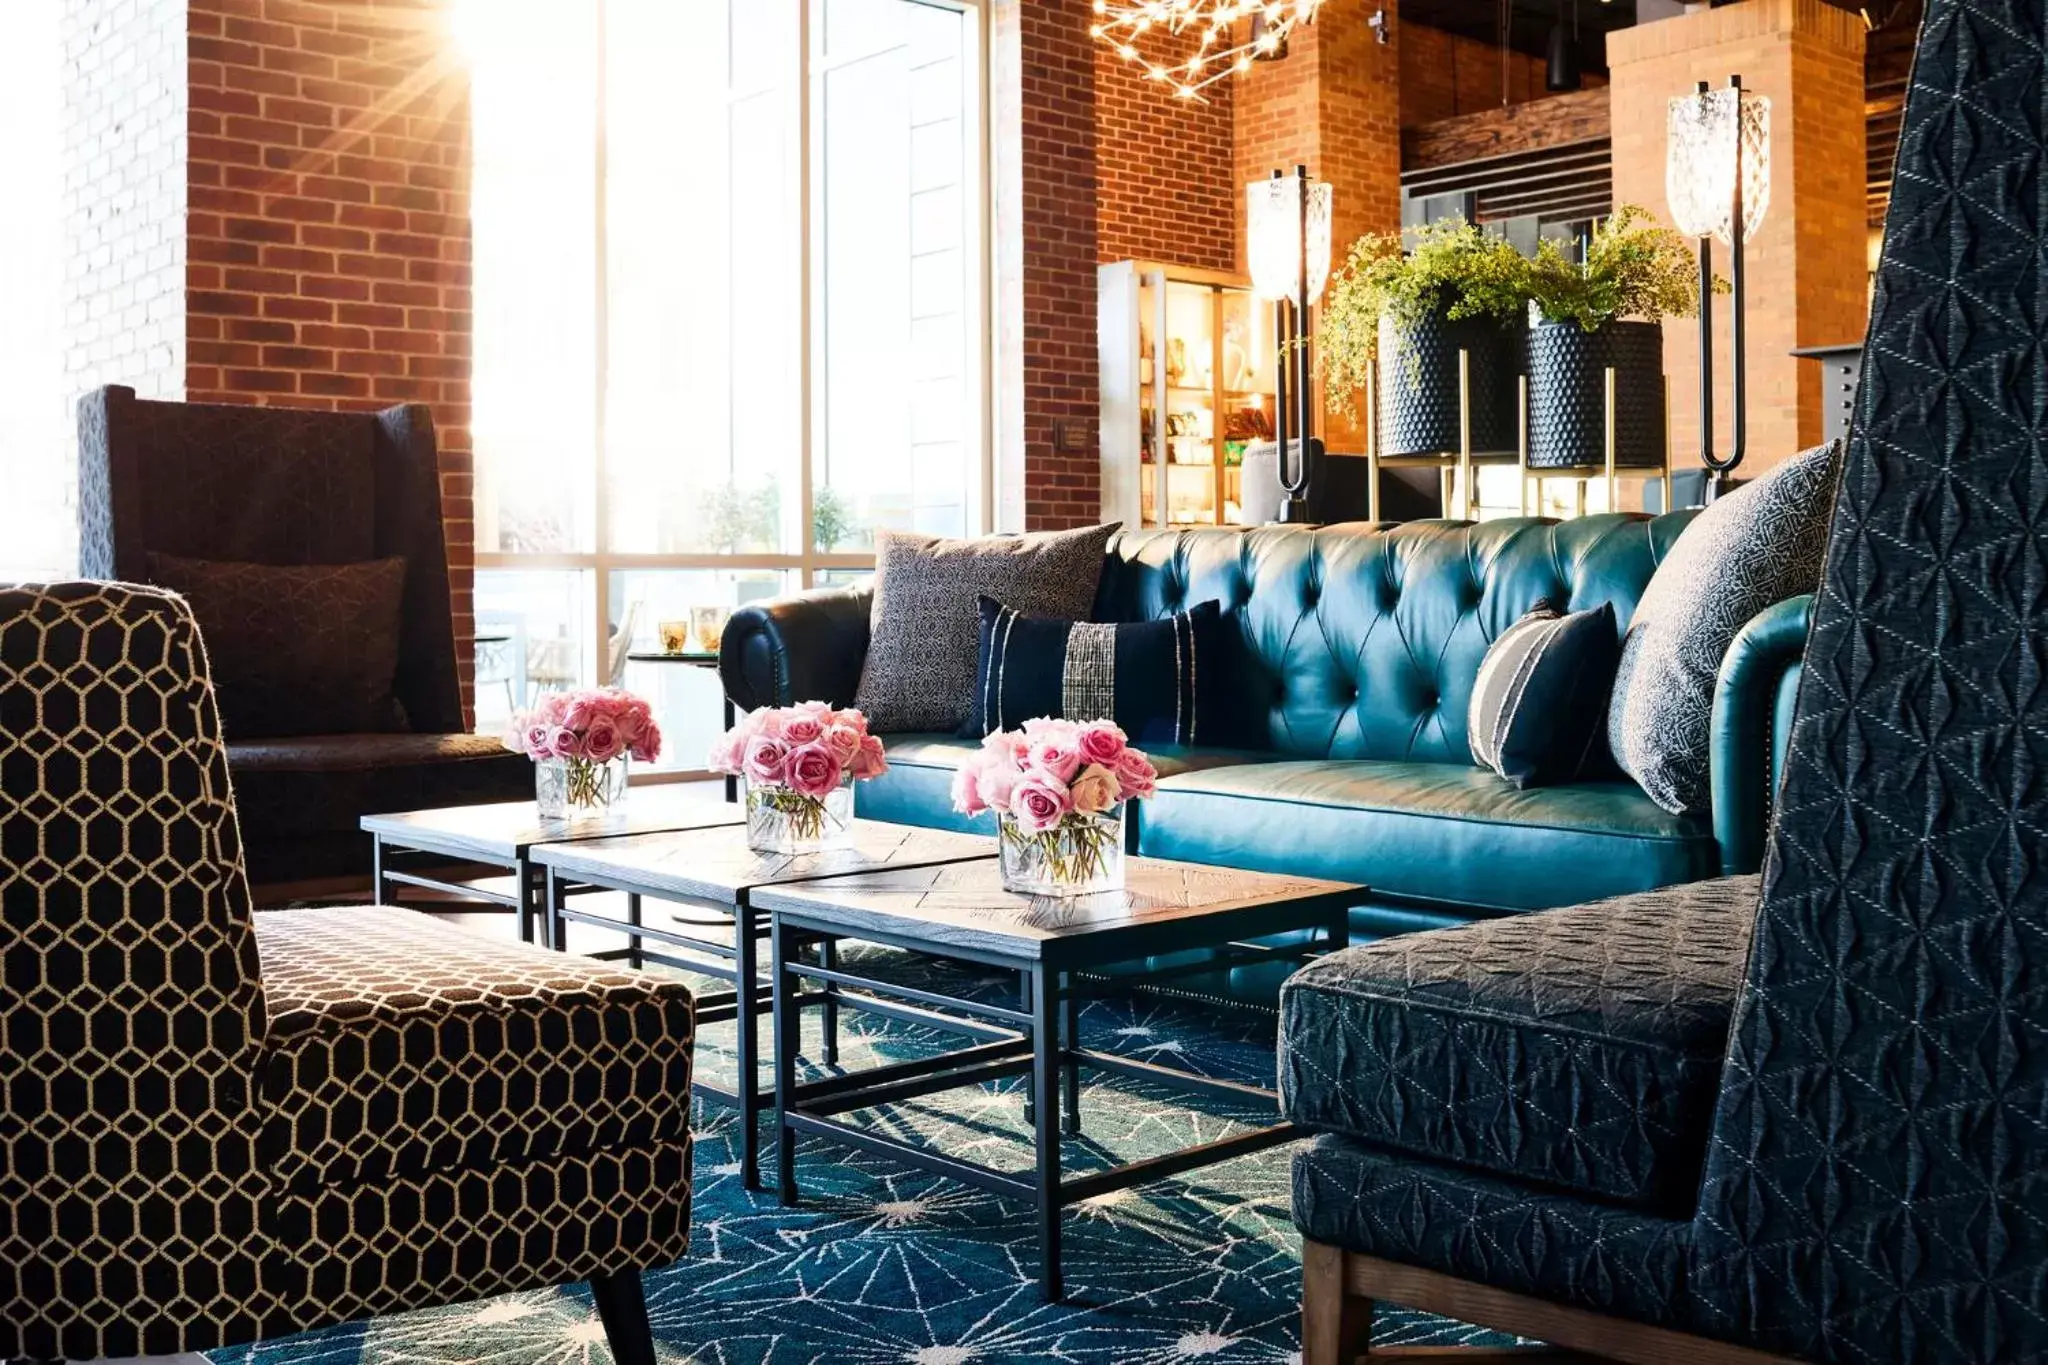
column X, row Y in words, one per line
column 222, row 1126
column 284, row 487
column 1803, row 1116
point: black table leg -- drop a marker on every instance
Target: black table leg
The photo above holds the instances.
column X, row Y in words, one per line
column 747, row 1085
column 635, row 945
column 1070, row 1070
column 528, row 910
column 554, row 930
column 787, row 1037
column 1024, row 1003
column 732, row 783
column 828, row 958
column 380, row 885
column 1045, row 1087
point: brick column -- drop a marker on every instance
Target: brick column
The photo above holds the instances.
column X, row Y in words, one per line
column 1164, row 171
column 1807, row 265
column 1048, row 394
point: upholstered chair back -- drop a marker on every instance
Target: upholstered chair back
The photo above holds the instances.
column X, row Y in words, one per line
column 133, row 1008
column 1877, row 1181
column 1365, row 642
column 276, row 486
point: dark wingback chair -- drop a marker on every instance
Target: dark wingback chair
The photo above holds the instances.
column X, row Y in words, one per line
column 282, row 487
column 1805, row 1117
column 220, row 1125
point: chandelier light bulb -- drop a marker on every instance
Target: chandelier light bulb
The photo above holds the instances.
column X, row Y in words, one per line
column 1159, row 33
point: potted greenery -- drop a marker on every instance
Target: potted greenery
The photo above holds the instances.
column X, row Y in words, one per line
column 1456, row 289
column 1604, row 312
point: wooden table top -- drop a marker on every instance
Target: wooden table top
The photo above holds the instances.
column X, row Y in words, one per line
column 1162, row 906
column 716, row 865
column 508, row 829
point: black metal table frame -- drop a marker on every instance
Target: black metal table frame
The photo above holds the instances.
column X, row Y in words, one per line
column 737, row 962
column 1041, row 1039
column 393, row 861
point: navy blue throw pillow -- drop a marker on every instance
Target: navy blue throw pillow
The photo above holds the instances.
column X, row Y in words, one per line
column 1539, row 707
column 1159, row 680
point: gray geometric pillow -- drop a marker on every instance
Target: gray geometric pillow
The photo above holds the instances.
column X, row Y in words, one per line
column 925, row 625
column 1750, row 550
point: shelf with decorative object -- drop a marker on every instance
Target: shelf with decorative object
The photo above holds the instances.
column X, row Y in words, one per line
column 1187, row 375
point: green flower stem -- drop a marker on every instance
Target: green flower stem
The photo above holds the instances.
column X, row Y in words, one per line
column 1075, row 850
column 805, row 814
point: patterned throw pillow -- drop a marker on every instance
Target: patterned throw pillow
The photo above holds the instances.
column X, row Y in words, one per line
column 1750, row 550
column 919, row 671
column 300, row 649
column 1156, row 679
column 1539, row 708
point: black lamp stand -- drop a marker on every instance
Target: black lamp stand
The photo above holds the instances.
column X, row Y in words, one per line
column 1719, row 468
column 1291, row 319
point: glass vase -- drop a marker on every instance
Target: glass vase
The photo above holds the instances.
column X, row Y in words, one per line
column 1079, row 855
column 783, row 821
column 573, row 788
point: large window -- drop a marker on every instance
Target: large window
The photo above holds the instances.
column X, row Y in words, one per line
column 729, row 293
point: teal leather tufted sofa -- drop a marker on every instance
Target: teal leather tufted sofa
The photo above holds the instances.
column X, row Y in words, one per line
column 1362, row 644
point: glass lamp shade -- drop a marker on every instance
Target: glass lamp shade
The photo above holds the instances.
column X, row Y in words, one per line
column 1707, row 136
column 1273, row 222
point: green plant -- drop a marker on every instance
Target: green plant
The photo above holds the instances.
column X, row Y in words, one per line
column 832, row 521
column 737, row 520
column 1634, row 268
column 1453, row 266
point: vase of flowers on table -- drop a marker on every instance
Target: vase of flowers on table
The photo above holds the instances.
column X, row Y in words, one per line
column 1057, row 789
column 799, row 764
column 582, row 745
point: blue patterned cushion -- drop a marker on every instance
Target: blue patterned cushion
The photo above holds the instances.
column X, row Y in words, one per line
column 1577, row 1047
column 1163, row 681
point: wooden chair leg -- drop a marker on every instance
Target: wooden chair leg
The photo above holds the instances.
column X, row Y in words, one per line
column 1335, row 1326
column 622, row 1308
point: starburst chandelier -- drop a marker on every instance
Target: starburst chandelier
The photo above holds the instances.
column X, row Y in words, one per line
column 1156, row 35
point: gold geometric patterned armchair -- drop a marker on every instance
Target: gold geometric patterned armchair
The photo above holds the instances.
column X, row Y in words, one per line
column 220, row 1125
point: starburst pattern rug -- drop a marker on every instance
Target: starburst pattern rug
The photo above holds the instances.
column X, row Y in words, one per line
column 882, row 1264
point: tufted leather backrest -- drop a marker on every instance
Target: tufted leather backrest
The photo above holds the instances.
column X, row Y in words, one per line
column 1364, row 641
column 132, row 1007
column 1876, row 1185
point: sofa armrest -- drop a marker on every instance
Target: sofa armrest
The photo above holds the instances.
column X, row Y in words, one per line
column 806, row 647
column 1752, row 709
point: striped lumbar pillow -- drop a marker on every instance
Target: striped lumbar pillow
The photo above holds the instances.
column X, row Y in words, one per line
column 1156, row 679
column 1540, row 705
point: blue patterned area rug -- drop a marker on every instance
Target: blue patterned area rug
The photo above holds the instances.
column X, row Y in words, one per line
column 884, row 1264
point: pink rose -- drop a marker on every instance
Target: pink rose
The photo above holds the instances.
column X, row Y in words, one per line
column 537, row 740
column 767, row 761
column 1100, row 742
column 577, row 712
column 998, row 784
column 726, row 751
column 1136, row 775
column 812, row 771
column 1095, row 790
column 1038, row 804
column 967, row 787
column 766, row 722
column 1057, row 756
column 1008, row 745
column 800, row 729
column 854, row 717
column 601, row 740
column 563, row 743
column 869, row 762
column 647, row 744
column 844, row 742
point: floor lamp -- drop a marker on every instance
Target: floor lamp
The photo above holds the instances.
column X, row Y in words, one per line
column 1287, row 221
column 1717, row 178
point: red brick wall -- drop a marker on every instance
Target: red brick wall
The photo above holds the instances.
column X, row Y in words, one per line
column 1043, row 108
column 1168, row 189
column 1444, row 74
column 328, row 235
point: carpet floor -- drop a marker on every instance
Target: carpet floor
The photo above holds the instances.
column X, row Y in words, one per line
column 883, row 1264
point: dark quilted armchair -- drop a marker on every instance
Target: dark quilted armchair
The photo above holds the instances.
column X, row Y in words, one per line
column 281, row 487
column 222, row 1126
column 1803, row 1116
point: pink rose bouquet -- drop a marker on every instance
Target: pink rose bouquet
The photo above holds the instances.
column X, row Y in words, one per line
column 1057, row 788
column 585, row 733
column 799, row 763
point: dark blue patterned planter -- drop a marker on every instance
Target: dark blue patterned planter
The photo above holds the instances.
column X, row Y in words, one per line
column 1568, row 395
column 1418, row 388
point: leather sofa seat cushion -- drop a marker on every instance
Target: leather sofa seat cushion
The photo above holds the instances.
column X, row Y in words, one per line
column 319, row 784
column 917, row 789
column 398, row 1046
column 1580, row 1048
column 1442, row 832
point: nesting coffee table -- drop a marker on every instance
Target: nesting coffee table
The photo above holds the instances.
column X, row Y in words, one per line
column 409, row 847
column 710, row 881
column 960, row 911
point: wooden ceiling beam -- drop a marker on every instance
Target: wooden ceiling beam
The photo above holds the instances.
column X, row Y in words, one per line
column 1534, row 126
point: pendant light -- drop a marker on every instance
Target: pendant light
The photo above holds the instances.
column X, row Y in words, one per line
column 1561, row 64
